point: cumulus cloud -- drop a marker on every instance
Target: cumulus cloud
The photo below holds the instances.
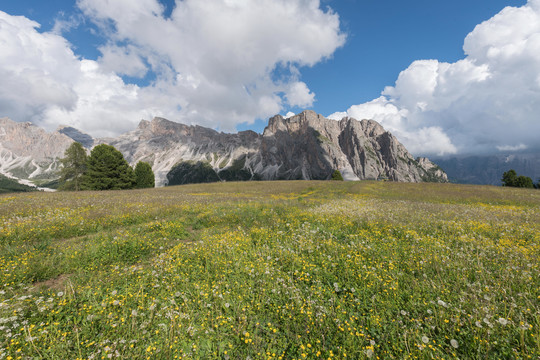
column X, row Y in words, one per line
column 217, row 63
column 299, row 95
column 476, row 105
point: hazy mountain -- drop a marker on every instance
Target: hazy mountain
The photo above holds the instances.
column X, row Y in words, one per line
column 304, row 146
column 488, row 169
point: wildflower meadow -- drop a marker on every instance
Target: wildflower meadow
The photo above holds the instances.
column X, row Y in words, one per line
column 272, row 270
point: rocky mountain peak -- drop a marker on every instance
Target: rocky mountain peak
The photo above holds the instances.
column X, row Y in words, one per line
column 303, row 146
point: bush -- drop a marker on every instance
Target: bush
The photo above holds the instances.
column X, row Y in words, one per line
column 336, row 175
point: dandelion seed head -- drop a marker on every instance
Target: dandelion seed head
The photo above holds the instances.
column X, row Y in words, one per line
column 369, row 353
column 454, row 343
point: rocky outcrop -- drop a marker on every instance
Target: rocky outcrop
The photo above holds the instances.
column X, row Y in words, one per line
column 304, row 146
column 164, row 144
column 309, row 146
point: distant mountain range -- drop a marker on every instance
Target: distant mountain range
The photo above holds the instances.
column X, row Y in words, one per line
column 305, row 146
column 488, row 169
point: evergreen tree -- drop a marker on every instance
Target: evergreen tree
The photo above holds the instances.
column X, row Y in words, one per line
column 108, row 170
column 74, row 166
column 336, row 175
column 144, row 176
column 524, row 182
column 509, row 178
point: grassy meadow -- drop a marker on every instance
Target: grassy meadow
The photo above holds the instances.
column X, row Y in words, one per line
column 272, row 270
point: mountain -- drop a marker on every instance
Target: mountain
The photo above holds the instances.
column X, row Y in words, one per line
column 304, row 146
column 488, row 169
column 29, row 152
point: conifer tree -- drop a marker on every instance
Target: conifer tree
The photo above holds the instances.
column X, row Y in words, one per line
column 74, row 167
column 144, row 176
column 108, row 170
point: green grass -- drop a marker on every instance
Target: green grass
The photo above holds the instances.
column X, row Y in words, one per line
column 269, row 270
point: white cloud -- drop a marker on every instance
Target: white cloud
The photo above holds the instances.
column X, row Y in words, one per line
column 289, row 114
column 214, row 63
column 217, row 56
column 512, row 148
column 122, row 61
column 299, row 95
column 478, row 104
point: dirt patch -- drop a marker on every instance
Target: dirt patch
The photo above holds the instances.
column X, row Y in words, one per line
column 58, row 283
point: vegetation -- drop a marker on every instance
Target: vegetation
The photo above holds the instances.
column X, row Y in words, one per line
column 336, row 175
column 191, row 172
column 144, row 176
column 272, row 270
column 73, row 167
column 8, row 185
column 510, row 178
column 107, row 170
column 236, row 172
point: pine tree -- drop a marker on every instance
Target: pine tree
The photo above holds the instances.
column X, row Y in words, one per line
column 509, row 178
column 336, row 175
column 144, row 176
column 74, row 166
column 108, row 170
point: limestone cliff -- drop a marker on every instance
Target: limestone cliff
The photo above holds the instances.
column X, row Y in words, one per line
column 304, row 146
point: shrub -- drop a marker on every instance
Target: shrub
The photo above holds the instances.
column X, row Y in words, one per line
column 336, row 175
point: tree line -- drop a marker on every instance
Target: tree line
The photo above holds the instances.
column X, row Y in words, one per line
column 511, row 178
column 104, row 169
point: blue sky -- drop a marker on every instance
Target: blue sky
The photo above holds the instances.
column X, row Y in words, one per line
column 360, row 51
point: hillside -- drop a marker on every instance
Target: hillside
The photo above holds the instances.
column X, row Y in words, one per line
column 8, row 185
column 284, row 269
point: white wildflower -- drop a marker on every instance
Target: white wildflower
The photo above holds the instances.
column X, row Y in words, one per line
column 369, row 353
column 503, row 321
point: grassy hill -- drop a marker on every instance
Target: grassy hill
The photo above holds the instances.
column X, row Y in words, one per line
column 8, row 185
column 272, row 270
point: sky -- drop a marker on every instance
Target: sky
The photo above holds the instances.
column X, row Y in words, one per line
column 444, row 77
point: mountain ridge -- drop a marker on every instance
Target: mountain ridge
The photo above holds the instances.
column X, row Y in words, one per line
column 303, row 146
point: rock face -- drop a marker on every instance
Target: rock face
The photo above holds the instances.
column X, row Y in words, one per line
column 304, row 146
column 29, row 152
column 164, row 144
column 309, row 146
column 86, row 140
